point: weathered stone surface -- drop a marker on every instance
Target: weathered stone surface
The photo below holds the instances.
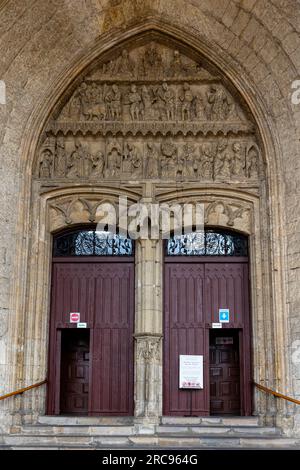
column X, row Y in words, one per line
column 45, row 47
column 65, row 436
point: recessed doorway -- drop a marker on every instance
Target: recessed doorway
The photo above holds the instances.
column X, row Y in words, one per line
column 224, row 372
column 91, row 367
column 206, row 273
column 74, row 383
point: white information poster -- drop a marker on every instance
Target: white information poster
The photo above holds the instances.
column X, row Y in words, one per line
column 190, row 371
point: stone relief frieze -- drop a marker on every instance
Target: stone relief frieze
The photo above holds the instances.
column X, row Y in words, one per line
column 153, row 61
column 150, row 113
column 174, row 158
column 163, row 101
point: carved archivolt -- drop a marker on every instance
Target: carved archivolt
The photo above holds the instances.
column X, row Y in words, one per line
column 150, row 113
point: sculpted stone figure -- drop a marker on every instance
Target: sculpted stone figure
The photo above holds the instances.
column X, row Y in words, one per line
column 75, row 161
column 93, row 105
column 219, row 104
column 152, row 62
column 169, row 159
column 177, row 66
column 136, row 160
column 166, row 102
column 252, row 161
column 46, row 163
column 186, row 102
column 207, row 161
column 238, row 160
column 131, row 164
column 147, row 100
column 114, row 159
column 84, row 100
column 123, row 65
column 113, row 103
column 198, row 107
column 152, row 163
column 135, row 101
column 60, row 157
column 223, row 162
column 86, row 163
column 98, row 162
column 75, row 107
column 190, row 167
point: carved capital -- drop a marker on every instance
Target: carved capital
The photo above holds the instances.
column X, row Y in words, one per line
column 148, row 347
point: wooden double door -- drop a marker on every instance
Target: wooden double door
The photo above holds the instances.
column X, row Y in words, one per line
column 194, row 293
column 91, row 369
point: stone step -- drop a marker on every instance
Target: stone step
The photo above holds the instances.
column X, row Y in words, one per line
column 60, row 432
column 66, row 439
column 212, row 420
column 78, row 430
column 224, row 430
column 141, row 429
column 213, row 442
column 128, row 420
column 86, row 420
column 149, row 442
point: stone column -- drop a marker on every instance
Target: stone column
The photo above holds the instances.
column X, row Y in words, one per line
column 148, row 329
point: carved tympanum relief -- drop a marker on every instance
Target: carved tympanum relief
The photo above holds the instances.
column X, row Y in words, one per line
column 150, row 113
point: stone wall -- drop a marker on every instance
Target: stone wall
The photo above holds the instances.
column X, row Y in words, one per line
column 44, row 45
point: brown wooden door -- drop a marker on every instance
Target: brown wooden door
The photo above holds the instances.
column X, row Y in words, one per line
column 194, row 292
column 224, row 371
column 74, row 372
column 227, row 286
column 102, row 290
column 184, row 333
column 112, row 360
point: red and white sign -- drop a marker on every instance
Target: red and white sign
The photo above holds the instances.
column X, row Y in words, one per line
column 74, row 317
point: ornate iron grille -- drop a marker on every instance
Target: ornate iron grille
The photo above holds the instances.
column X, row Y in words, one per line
column 92, row 243
column 208, row 243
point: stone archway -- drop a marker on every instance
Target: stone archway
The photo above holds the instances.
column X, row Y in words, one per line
column 182, row 132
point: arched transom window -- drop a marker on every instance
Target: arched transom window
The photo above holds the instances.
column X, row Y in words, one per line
column 211, row 242
column 90, row 242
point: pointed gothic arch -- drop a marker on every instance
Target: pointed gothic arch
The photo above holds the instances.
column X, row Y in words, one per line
column 255, row 200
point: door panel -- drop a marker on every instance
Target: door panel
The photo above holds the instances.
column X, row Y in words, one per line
column 112, row 366
column 224, row 374
column 112, row 378
column 194, row 293
column 226, row 286
column 103, row 293
column 74, row 288
column 74, row 372
column 184, row 334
